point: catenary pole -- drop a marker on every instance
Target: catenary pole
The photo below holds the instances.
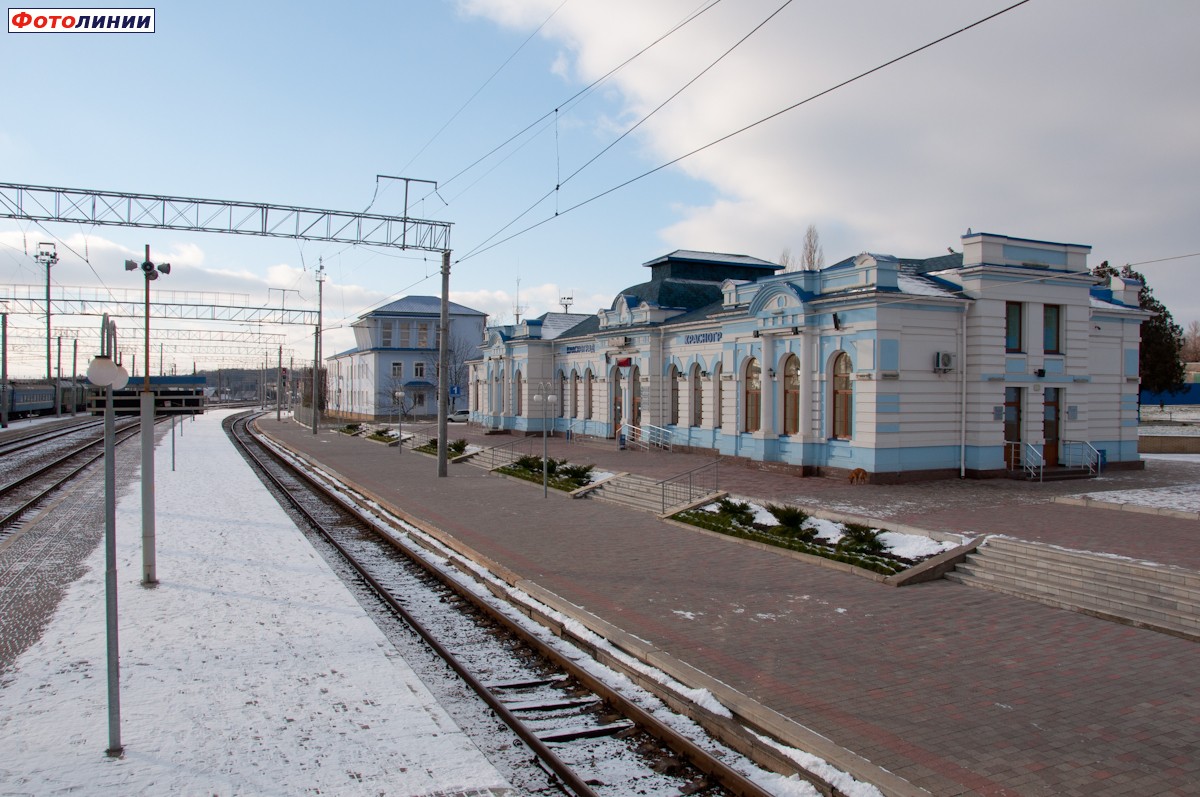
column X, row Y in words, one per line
column 4, row 370
column 443, row 364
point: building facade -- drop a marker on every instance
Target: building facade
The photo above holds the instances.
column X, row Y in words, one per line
column 393, row 367
column 970, row 363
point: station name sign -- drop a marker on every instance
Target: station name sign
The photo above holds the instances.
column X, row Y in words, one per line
column 582, row 348
column 702, row 337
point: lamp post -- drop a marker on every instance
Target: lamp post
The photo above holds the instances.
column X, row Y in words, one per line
column 149, row 570
column 106, row 372
column 545, row 398
column 399, row 398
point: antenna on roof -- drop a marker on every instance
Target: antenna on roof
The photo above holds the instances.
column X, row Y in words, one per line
column 517, row 308
column 566, row 302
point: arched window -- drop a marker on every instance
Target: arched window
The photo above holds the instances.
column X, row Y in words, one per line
column 791, row 395
column 520, row 404
column 561, row 409
column 588, row 392
column 718, row 395
column 697, row 396
column 843, row 397
column 753, row 396
column 673, row 387
column 574, row 395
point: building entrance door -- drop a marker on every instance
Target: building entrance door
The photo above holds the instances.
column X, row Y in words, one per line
column 1012, row 427
column 1051, row 423
column 635, row 388
column 616, row 401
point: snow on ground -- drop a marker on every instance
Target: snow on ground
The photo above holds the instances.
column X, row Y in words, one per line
column 250, row 669
column 1163, row 430
column 1179, row 497
column 909, row 546
column 1173, row 412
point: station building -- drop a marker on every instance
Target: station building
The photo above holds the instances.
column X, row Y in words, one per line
column 393, row 367
column 973, row 363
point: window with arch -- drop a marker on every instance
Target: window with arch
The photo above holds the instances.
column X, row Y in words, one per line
column 791, row 395
column 752, row 392
column 718, row 395
column 589, row 385
column 843, row 397
column 697, row 396
column 574, row 395
column 673, row 387
column 520, row 405
column 562, row 395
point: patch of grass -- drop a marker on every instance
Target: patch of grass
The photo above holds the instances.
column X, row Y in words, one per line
column 351, row 428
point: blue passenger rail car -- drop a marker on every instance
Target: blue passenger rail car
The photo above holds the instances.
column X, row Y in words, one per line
column 27, row 399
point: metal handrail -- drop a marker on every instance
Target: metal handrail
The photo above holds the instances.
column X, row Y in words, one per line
column 1089, row 455
column 691, row 484
column 647, row 436
column 1031, row 459
column 501, row 455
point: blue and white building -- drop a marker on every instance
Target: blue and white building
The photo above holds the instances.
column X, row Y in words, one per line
column 1006, row 354
column 393, row 367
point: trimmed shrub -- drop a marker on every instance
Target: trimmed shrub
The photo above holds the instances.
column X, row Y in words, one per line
column 738, row 512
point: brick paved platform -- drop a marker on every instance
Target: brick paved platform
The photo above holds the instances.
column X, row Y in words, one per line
column 957, row 690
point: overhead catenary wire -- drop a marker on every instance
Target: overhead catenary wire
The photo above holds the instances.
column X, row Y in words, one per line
column 639, row 122
column 480, row 249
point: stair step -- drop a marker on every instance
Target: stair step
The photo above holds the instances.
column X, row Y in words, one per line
column 1108, row 578
column 1142, row 591
column 1164, row 625
column 1076, row 590
column 1119, row 570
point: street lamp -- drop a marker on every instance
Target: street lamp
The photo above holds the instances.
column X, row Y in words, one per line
column 107, row 373
column 545, row 398
column 149, row 571
column 399, row 398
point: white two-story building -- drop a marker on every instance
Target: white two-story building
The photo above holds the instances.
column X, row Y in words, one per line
column 1005, row 355
column 393, row 367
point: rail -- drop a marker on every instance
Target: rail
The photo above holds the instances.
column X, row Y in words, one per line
column 647, row 436
column 690, row 485
column 499, row 456
column 1081, row 454
column 1027, row 456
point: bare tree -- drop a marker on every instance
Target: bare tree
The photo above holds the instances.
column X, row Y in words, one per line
column 787, row 259
column 1190, row 353
column 388, row 401
column 812, row 254
column 460, row 351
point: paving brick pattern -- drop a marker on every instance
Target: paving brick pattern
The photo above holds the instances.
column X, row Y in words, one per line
column 959, row 690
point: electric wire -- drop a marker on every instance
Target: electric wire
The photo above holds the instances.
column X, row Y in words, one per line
column 638, row 123
column 471, row 99
column 480, row 249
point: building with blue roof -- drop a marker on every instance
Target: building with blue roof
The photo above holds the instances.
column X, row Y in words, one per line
column 393, row 366
column 1006, row 357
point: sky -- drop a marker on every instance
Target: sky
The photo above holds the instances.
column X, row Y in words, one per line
column 1062, row 120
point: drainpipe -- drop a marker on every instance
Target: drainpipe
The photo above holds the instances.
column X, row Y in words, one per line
column 962, row 382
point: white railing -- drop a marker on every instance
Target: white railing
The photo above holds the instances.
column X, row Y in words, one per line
column 647, row 436
column 1027, row 457
column 1081, row 454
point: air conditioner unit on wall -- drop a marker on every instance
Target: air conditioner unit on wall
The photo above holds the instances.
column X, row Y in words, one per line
column 943, row 361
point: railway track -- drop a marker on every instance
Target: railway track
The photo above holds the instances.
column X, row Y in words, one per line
column 40, row 474
column 22, row 442
column 591, row 738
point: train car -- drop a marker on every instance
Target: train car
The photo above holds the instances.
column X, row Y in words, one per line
column 27, row 399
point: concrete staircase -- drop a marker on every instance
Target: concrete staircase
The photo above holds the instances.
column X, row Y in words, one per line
column 637, row 492
column 1165, row 599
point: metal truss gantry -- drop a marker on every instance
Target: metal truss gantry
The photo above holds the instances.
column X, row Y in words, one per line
column 21, row 299
column 120, row 209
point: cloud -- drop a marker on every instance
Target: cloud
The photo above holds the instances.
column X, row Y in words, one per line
column 1028, row 125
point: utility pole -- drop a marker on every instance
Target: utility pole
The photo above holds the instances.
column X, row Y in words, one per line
column 75, row 378
column 58, row 383
column 444, row 364
column 316, row 380
column 4, row 370
column 47, row 255
column 279, row 387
